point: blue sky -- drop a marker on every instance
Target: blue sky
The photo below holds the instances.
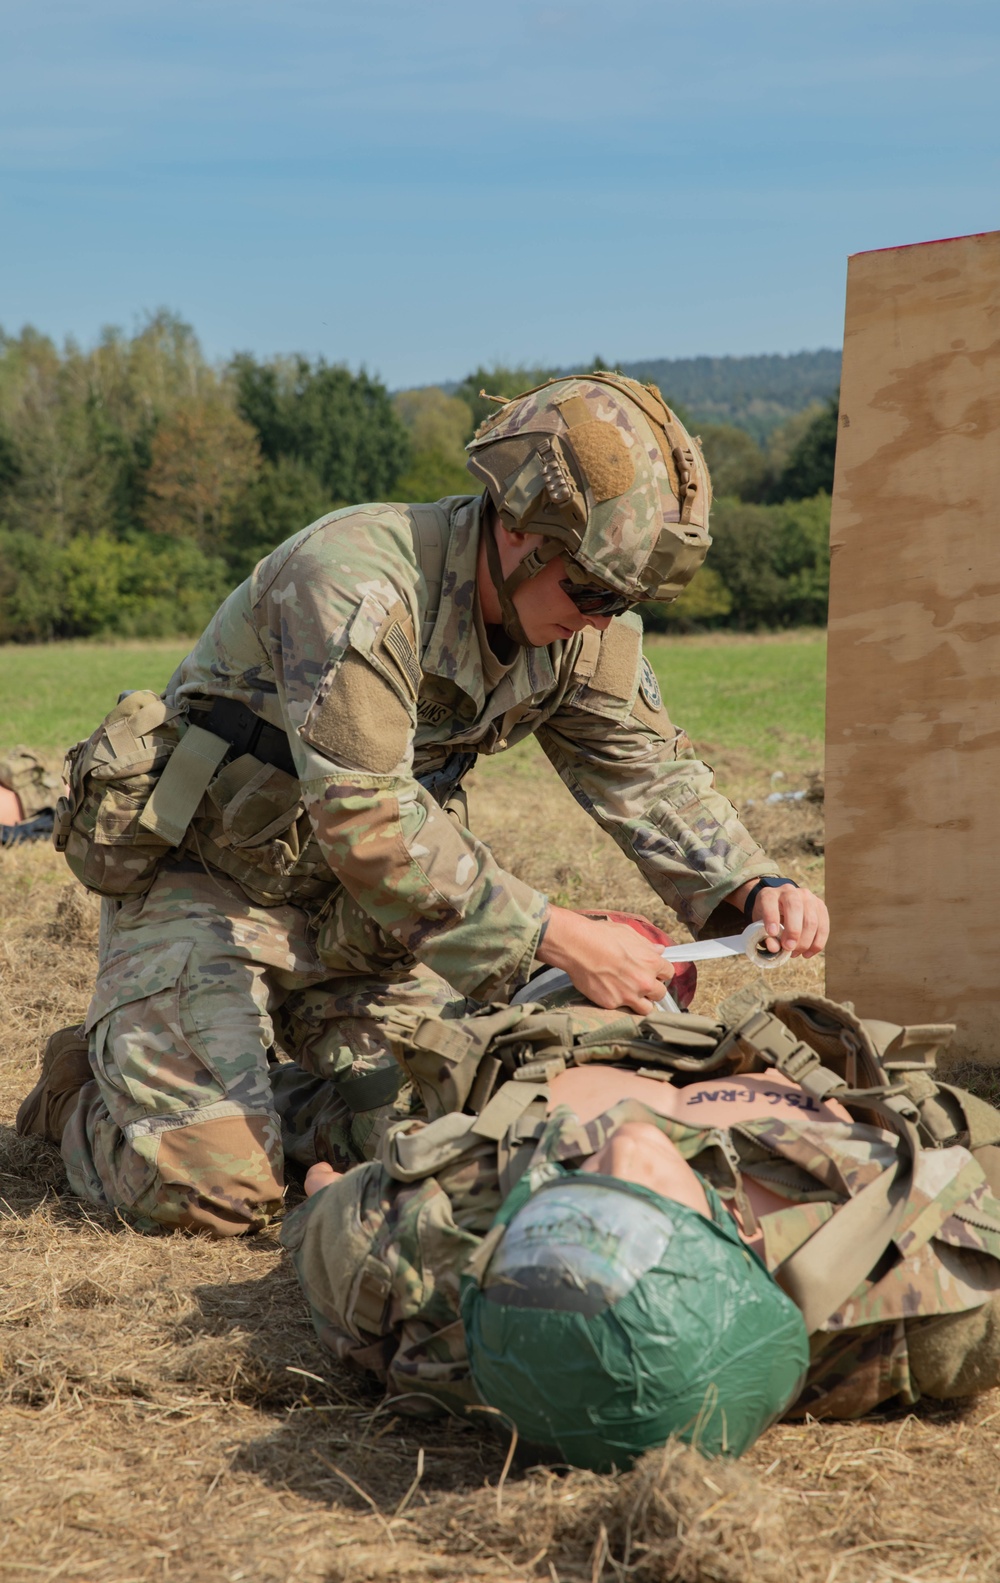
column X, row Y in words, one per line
column 421, row 185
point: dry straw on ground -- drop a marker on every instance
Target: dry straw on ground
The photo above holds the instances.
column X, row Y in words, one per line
column 166, row 1413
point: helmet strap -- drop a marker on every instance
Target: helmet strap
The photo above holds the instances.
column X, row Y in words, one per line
column 532, row 563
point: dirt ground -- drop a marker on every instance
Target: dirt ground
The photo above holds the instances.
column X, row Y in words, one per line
column 166, row 1412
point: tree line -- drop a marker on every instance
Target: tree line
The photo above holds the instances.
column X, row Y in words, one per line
column 139, row 482
column 757, row 393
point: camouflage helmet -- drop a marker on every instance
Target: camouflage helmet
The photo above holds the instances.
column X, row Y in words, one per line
column 601, row 467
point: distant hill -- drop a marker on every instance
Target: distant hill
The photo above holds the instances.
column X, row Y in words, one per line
column 755, row 393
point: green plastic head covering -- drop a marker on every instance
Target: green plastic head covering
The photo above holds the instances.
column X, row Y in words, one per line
column 607, row 474
column 609, row 1319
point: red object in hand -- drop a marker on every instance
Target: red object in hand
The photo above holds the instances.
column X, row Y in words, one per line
column 685, row 980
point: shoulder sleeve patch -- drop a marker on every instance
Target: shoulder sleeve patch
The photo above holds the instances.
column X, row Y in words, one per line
column 618, row 661
column 649, row 687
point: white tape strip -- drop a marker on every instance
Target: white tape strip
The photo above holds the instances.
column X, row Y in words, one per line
column 749, row 944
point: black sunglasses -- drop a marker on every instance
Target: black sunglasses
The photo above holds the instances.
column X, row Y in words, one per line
column 593, row 600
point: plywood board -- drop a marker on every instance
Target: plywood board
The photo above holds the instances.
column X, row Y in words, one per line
column 913, row 708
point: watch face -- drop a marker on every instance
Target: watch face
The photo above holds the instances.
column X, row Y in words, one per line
column 649, row 686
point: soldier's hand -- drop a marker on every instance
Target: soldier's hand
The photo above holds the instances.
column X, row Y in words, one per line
column 795, row 920
column 320, row 1175
column 608, row 962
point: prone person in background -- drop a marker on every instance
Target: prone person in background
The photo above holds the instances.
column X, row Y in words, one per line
column 283, row 840
column 28, row 796
column 627, row 1259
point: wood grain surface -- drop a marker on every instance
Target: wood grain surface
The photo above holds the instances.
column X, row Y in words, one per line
column 913, row 700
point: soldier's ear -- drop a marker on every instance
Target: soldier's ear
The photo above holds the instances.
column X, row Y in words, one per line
column 494, row 523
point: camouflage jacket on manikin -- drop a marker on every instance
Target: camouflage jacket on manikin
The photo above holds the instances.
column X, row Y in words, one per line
column 333, row 639
column 380, row 1254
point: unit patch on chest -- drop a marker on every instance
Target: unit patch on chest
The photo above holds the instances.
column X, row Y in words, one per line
column 649, row 686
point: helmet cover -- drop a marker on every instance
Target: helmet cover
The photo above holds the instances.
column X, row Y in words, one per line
column 609, row 1318
column 599, row 464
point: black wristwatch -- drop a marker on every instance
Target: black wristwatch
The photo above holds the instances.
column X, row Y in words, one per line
column 770, row 882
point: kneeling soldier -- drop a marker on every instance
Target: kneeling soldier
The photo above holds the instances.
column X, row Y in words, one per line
column 282, row 837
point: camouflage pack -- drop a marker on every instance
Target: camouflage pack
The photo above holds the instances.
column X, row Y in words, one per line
column 99, row 824
column 153, row 780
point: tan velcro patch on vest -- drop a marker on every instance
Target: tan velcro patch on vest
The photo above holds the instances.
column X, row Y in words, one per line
column 618, row 660
column 587, row 658
column 604, row 457
column 359, row 721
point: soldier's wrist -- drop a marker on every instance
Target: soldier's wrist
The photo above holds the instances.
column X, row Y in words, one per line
column 769, row 882
column 554, row 948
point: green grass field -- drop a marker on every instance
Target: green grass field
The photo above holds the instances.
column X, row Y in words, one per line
column 760, row 695
column 764, row 695
column 55, row 693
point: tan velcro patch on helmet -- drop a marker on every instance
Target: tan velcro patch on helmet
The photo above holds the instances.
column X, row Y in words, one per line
column 360, row 720
column 604, row 457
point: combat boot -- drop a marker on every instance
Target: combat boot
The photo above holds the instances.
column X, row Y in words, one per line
column 65, row 1069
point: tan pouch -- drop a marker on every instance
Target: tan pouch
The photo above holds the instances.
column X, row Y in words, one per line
column 256, row 802
column 252, row 825
column 112, row 776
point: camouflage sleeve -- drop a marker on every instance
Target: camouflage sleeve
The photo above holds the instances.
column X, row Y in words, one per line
column 613, row 744
column 342, row 618
column 380, row 1265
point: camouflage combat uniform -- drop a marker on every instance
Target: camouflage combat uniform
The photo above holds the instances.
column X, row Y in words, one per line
column 381, row 1253
column 347, row 883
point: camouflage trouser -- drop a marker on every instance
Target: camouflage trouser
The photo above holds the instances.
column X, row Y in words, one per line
column 189, row 1117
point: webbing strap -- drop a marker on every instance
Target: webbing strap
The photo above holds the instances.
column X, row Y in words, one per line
column 412, row 1150
column 478, row 1264
column 588, row 656
column 822, row 1274
column 507, row 1104
column 768, row 1037
column 121, row 738
column 151, row 715
column 370, row 1089
column 430, row 544
column 183, row 784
